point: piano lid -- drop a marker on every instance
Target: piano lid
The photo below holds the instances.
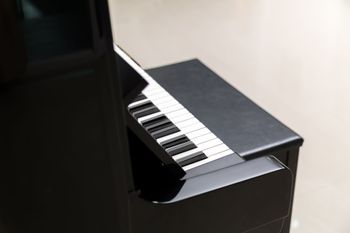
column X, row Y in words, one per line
column 236, row 120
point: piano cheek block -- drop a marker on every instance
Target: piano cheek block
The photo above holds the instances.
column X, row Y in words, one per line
column 234, row 199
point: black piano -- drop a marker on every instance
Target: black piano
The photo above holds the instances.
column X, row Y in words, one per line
column 91, row 142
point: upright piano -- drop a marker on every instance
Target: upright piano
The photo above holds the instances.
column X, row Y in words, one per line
column 91, row 142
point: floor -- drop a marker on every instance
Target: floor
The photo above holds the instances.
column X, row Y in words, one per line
column 292, row 57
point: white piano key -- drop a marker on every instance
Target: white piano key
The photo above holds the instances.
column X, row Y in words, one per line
column 152, row 87
column 198, row 133
column 186, row 123
column 149, row 117
column 138, row 103
column 209, row 159
column 215, row 150
column 153, row 92
column 192, row 128
column 171, row 108
column 209, row 144
column 158, row 96
column 222, row 154
column 162, row 100
column 178, row 113
column 178, row 119
column 204, row 138
column 167, row 104
column 169, row 137
column 186, row 154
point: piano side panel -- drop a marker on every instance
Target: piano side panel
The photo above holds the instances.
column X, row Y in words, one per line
column 289, row 157
column 61, row 161
column 292, row 163
column 64, row 158
column 238, row 207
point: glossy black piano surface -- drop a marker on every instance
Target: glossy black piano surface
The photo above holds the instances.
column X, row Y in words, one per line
column 76, row 158
column 248, row 130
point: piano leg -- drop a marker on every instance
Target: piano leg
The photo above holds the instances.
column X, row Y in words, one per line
column 292, row 162
column 289, row 157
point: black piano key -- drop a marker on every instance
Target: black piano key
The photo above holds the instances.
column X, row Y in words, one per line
column 146, row 111
column 152, row 121
column 139, row 97
column 171, row 140
column 160, row 126
column 164, row 132
column 141, row 107
column 181, row 148
column 158, row 123
column 162, row 119
column 192, row 159
column 175, row 142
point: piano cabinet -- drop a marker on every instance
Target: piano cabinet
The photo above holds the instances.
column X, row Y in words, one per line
column 248, row 191
column 243, row 125
column 67, row 166
column 251, row 196
column 239, row 198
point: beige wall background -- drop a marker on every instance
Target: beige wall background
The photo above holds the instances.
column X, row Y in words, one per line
column 292, row 57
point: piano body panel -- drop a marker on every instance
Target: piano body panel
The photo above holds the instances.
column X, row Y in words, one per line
column 289, row 156
column 62, row 160
column 235, row 199
column 292, row 157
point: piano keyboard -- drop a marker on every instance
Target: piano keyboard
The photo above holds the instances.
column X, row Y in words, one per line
column 189, row 142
